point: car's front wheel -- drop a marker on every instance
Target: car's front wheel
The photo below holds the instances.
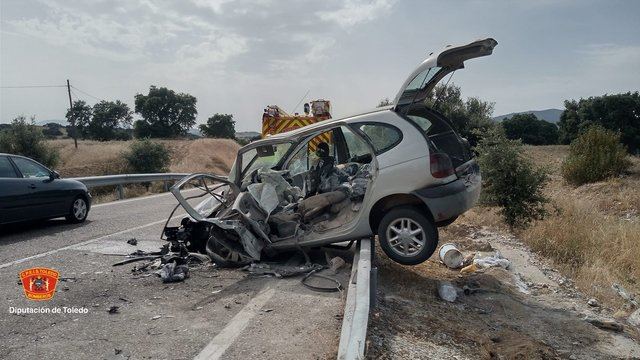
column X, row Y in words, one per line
column 79, row 210
column 407, row 236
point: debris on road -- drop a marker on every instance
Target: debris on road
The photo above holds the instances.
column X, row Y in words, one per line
column 171, row 272
column 132, row 241
column 451, row 256
column 336, row 263
column 113, row 309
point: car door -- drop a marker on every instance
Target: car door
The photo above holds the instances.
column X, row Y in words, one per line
column 13, row 193
column 46, row 198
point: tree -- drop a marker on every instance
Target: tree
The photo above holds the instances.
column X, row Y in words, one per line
column 469, row 118
column 109, row 119
column 530, row 129
column 220, row 126
column 51, row 130
column 26, row 139
column 79, row 117
column 509, row 179
column 146, row 156
column 165, row 113
column 618, row 113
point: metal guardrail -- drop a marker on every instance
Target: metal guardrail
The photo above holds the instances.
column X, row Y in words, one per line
column 124, row 179
column 360, row 298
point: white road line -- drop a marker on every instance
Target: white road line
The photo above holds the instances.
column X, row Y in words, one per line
column 37, row 256
column 219, row 344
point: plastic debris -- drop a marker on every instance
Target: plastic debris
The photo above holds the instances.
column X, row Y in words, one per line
column 451, row 256
column 495, row 260
column 447, row 291
column 469, row 269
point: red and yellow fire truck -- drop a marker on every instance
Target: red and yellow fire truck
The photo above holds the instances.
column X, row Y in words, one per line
column 275, row 120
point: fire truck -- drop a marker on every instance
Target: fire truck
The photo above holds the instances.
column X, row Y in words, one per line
column 275, row 120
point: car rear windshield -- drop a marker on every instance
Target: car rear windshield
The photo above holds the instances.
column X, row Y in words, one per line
column 442, row 137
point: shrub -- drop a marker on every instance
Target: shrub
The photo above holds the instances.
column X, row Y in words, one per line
column 146, row 156
column 510, row 180
column 595, row 155
column 26, row 139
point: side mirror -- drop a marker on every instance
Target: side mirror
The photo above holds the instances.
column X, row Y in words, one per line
column 54, row 175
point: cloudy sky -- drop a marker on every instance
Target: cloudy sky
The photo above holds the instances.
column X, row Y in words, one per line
column 238, row 56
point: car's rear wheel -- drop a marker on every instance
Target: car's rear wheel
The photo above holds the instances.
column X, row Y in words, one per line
column 407, row 236
column 79, row 210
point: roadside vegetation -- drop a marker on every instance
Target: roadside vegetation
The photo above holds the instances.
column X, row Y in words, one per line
column 595, row 155
column 146, row 156
column 23, row 137
column 510, row 181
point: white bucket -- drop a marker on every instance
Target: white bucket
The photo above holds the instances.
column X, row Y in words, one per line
column 451, row 256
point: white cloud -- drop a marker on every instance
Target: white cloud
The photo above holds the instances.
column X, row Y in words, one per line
column 354, row 12
column 132, row 31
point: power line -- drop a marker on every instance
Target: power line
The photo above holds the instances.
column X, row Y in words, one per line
column 32, row 86
column 86, row 93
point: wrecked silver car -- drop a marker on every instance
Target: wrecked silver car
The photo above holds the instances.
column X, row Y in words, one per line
column 398, row 172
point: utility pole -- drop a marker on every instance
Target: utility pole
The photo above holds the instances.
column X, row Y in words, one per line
column 73, row 125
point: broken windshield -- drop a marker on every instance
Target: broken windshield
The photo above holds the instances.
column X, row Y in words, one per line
column 262, row 157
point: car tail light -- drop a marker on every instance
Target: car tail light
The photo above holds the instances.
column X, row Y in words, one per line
column 441, row 166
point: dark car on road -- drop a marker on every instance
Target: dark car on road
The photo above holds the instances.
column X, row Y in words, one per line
column 31, row 191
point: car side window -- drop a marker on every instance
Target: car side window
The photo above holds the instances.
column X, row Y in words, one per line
column 358, row 149
column 31, row 169
column 6, row 169
column 383, row 137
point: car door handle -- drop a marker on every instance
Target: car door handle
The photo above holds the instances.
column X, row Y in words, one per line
column 32, row 186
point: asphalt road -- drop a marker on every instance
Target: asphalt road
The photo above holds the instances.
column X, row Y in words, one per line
column 216, row 313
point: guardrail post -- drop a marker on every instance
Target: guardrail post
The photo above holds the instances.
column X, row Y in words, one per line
column 120, row 189
column 166, row 186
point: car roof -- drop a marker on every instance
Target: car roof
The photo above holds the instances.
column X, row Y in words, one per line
column 320, row 124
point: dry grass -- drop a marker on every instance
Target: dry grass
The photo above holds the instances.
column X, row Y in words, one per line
column 94, row 158
column 105, row 158
column 595, row 235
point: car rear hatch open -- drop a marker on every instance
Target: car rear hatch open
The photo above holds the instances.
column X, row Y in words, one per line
column 410, row 103
column 425, row 77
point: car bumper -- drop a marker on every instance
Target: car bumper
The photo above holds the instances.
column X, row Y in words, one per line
column 451, row 200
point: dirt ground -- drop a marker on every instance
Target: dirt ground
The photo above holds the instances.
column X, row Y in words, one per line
column 528, row 311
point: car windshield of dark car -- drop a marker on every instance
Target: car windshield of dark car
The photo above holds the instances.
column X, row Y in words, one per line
column 30, row 169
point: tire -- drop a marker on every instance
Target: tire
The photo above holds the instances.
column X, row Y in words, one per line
column 79, row 210
column 416, row 239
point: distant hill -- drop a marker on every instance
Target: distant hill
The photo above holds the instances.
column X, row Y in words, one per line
column 247, row 135
column 550, row 115
column 55, row 121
